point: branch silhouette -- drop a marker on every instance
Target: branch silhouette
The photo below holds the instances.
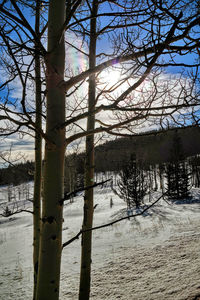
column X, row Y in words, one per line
column 74, row 193
column 111, row 223
column 7, row 213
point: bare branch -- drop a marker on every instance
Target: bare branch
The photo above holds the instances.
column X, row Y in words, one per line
column 67, row 196
column 8, row 213
column 111, row 223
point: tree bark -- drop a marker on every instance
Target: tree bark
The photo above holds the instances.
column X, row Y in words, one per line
column 86, row 242
column 38, row 155
column 52, row 208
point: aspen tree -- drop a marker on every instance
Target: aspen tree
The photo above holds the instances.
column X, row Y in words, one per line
column 52, row 208
column 38, row 153
column 86, row 242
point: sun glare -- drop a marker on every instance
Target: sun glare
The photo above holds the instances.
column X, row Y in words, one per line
column 110, row 77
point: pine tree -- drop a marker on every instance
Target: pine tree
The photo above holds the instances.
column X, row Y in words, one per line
column 177, row 172
column 195, row 170
column 132, row 186
column 178, row 177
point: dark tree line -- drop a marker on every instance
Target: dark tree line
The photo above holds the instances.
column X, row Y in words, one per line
column 176, row 176
column 112, row 156
column 135, row 181
column 17, row 174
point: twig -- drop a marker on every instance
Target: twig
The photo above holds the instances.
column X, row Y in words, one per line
column 6, row 215
column 74, row 193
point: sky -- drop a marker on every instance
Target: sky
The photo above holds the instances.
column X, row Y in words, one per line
column 76, row 61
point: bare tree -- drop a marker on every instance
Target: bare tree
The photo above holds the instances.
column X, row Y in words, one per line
column 38, row 150
column 86, row 243
column 15, row 63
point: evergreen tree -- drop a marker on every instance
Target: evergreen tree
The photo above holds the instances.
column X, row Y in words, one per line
column 132, row 186
column 178, row 177
column 195, row 170
column 177, row 172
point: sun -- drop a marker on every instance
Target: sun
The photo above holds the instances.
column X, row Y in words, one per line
column 110, row 77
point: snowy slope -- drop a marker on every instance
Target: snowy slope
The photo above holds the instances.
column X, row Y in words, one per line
column 154, row 256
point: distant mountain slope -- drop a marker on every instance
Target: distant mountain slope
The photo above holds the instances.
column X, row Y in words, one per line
column 151, row 149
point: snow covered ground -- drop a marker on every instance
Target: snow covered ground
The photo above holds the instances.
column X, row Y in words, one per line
column 156, row 256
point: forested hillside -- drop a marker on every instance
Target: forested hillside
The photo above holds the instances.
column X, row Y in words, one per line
column 150, row 149
column 110, row 156
column 17, row 174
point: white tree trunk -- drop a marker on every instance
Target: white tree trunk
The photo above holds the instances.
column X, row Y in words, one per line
column 52, row 209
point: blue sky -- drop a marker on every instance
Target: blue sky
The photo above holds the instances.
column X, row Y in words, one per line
column 78, row 62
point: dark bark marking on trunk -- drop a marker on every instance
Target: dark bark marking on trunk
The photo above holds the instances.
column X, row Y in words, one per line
column 49, row 219
column 36, row 267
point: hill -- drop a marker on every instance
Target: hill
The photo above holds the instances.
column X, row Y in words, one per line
column 153, row 148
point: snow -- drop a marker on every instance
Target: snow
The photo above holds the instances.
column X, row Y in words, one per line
column 155, row 256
